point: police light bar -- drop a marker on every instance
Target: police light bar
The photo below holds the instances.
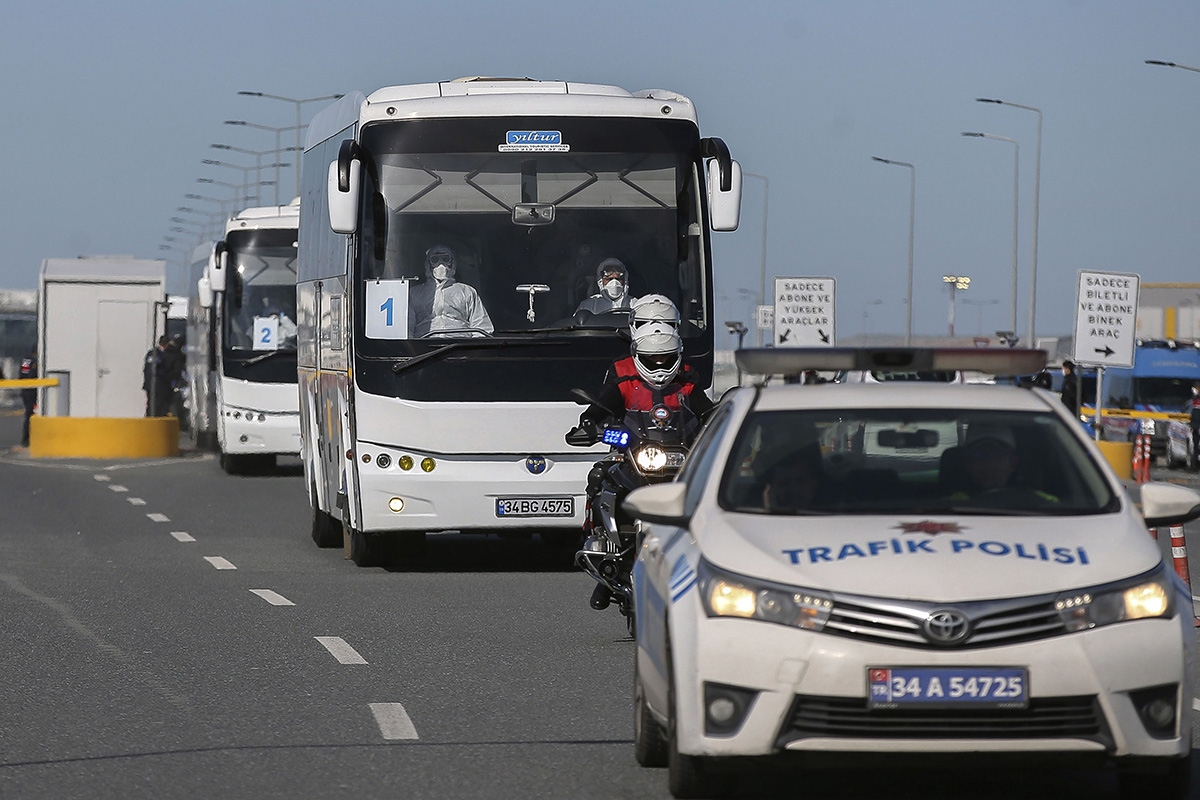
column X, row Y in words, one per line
column 793, row 360
column 616, row 436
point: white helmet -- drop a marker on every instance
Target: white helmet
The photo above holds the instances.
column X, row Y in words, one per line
column 652, row 308
column 657, row 353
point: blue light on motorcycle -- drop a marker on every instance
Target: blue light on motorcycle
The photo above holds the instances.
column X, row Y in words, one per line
column 616, row 436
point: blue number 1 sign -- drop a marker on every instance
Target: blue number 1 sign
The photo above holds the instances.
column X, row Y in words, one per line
column 387, row 309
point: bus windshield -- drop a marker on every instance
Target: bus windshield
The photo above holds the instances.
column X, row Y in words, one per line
column 260, row 309
column 520, row 214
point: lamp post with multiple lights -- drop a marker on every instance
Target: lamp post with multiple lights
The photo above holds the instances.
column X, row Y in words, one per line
column 955, row 283
column 299, row 102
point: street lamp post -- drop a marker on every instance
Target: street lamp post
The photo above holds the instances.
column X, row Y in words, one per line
column 212, row 162
column 1037, row 183
column 298, row 102
column 236, row 188
column 1016, row 177
column 912, row 218
column 258, row 154
column 762, row 271
column 296, row 128
column 955, row 282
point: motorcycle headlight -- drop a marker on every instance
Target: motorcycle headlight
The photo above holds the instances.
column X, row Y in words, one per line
column 1143, row 598
column 727, row 595
column 650, row 458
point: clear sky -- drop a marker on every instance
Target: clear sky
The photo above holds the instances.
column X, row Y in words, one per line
column 109, row 110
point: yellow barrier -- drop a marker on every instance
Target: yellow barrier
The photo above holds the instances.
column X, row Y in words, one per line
column 27, row 383
column 1120, row 457
column 103, row 437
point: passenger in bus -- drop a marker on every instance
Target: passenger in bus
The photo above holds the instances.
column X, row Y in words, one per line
column 440, row 305
column 612, row 278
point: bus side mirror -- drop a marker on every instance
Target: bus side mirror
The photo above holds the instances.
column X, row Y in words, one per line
column 724, row 205
column 343, row 186
column 216, row 268
column 204, row 293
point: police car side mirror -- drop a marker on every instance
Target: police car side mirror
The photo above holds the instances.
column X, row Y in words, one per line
column 660, row 502
column 1165, row 504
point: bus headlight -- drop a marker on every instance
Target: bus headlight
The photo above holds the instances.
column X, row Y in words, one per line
column 405, row 463
column 650, row 458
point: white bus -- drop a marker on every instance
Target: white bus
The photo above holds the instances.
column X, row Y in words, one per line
column 412, row 428
column 242, row 340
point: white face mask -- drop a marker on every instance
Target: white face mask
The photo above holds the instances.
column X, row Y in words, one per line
column 614, row 289
column 440, row 273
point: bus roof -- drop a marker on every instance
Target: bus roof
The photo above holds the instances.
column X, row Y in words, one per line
column 486, row 97
column 266, row 217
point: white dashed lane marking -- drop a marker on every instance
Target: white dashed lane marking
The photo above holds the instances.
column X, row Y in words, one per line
column 136, row 501
column 274, row 598
column 338, row 648
column 393, row 721
column 219, row 562
column 1196, row 704
column 116, row 487
column 182, row 537
column 102, row 477
column 156, row 517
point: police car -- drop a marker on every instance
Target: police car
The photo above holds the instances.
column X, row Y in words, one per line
column 911, row 568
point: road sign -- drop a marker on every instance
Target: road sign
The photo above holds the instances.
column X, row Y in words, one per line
column 1106, row 305
column 804, row 312
column 766, row 317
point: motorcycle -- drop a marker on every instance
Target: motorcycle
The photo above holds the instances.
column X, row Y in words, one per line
column 647, row 447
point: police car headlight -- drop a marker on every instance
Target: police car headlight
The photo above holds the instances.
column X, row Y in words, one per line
column 650, row 458
column 727, row 595
column 1144, row 598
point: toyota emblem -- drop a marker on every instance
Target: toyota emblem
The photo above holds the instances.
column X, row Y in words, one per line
column 946, row 626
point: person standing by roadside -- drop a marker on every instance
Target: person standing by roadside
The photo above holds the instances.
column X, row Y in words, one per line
column 155, row 381
column 28, row 371
column 1070, row 386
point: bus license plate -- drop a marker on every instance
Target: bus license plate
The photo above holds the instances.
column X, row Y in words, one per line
column 535, row 507
column 994, row 687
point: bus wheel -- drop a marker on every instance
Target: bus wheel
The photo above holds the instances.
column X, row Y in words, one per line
column 325, row 529
column 366, row 550
column 233, row 465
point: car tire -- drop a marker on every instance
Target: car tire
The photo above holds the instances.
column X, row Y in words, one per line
column 649, row 738
column 1172, row 782
column 326, row 531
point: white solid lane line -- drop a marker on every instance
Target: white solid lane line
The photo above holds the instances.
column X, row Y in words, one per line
column 182, row 537
column 158, row 517
column 136, row 501
column 274, row 598
column 393, row 721
column 219, row 562
column 338, row 648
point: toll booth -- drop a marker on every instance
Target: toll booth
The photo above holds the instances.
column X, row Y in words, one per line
column 97, row 318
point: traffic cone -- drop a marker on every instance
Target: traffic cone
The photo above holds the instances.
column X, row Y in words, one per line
column 1136, row 466
column 1146, row 458
column 1179, row 553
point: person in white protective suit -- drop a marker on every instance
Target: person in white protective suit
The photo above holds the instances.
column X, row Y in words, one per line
column 442, row 304
column 613, row 280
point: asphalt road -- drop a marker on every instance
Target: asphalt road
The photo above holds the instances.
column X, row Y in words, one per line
column 172, row 632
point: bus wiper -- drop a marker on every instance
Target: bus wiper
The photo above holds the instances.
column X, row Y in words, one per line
column 488, row 344
column 249, row 362
column 618, row 329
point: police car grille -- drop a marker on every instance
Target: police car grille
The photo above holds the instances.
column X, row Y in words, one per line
column 993, row 623
column 850, row 718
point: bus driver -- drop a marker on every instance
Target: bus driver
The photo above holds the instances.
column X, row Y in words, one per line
column 440, row 303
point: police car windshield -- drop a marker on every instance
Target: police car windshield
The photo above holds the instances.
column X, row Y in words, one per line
column 897, row 461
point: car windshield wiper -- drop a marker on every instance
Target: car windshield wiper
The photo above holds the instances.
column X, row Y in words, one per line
column 486, row 344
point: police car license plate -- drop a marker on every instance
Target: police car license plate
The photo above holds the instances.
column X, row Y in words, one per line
column 994, row 687
column 535, row 507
